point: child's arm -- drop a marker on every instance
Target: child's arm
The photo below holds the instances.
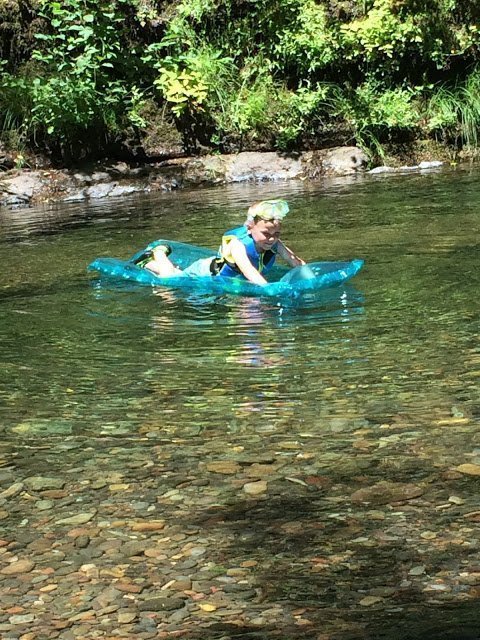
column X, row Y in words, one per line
column 239, row 254
column 288, row 255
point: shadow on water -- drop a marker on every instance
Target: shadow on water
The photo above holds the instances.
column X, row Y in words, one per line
column 30, row 291
column 294, row 533
column 311, row 558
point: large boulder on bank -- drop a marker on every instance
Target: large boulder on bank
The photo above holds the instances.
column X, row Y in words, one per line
column 20, row 189
column 250, row 166
column 337, row 161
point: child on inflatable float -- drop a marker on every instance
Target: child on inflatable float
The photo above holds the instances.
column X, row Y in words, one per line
column 245, row 252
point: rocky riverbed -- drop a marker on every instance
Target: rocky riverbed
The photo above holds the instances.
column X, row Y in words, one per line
column 171, row 538
column 21, row 188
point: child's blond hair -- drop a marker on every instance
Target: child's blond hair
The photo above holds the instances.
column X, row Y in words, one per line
column 268, row 210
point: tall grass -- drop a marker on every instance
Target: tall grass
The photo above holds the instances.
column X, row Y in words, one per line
column 453, row 113
column 14, row 105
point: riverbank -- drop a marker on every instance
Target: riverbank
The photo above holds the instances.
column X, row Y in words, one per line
column 26, row 187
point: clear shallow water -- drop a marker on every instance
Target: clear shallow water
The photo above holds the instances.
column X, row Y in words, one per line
column 377, row 381
column 406, row 327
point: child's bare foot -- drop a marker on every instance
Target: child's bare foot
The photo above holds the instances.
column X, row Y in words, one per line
column 160, row 264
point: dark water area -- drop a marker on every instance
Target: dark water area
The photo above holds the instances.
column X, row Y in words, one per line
column 372, row 388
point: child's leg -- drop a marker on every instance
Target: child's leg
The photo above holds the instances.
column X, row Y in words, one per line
column 161, row 265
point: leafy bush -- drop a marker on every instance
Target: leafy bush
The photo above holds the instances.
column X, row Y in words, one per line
column 237, row 72
column 189, row 82
column 79, row 82
column 306, row 112
column 373, row 112
column 308, row 43
column 382, row 33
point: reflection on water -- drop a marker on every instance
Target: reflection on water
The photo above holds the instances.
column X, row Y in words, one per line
column 376, row 381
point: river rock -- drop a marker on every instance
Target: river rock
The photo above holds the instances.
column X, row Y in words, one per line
column 100, row 176
column 21, row 619
column 368, row 601
column 44, row 505
column 106, row 598
column 161, row 604
column 12, row 491
column 255, row 488
column 18, row 567
column 13, row 201
column 24, row 185
column 126, row 617
column 100, row 190
column 469, row 469
column 344, row 160
column 417, row 571
column 382, row 169
column 76, row 196
column 44, row 426
column 42, row 483
column 124, row 190
column 150, row 525
column 430, row 164
column 79, row 518
column 134, row 548
column 385, row 492
column 252, row 166
column 260, row 470
column 82, row 541
column 226, row 467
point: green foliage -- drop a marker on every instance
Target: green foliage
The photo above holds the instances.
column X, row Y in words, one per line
column 252, row 111
column 80, row 79
column 306, row 112
column 310, row 42
column 14, row 101
column 60, row 105
column 188, row 82
column 184, row 89
column 381, row 33
column 76, row 91
column 454, row 113
column 373, row 112
column 238, row 73
column 391, row 34
column 137, row 105
column 294, row 45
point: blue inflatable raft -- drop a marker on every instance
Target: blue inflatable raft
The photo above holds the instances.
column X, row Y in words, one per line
column 283, row 282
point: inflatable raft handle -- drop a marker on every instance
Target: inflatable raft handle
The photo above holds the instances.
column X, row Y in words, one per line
column 302, row 272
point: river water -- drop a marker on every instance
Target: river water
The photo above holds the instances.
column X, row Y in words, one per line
column 374, row 382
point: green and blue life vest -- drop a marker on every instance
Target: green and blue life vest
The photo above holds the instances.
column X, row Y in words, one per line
column 224, row 264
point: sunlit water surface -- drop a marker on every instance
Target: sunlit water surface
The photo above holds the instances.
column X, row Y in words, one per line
column 393, row 355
